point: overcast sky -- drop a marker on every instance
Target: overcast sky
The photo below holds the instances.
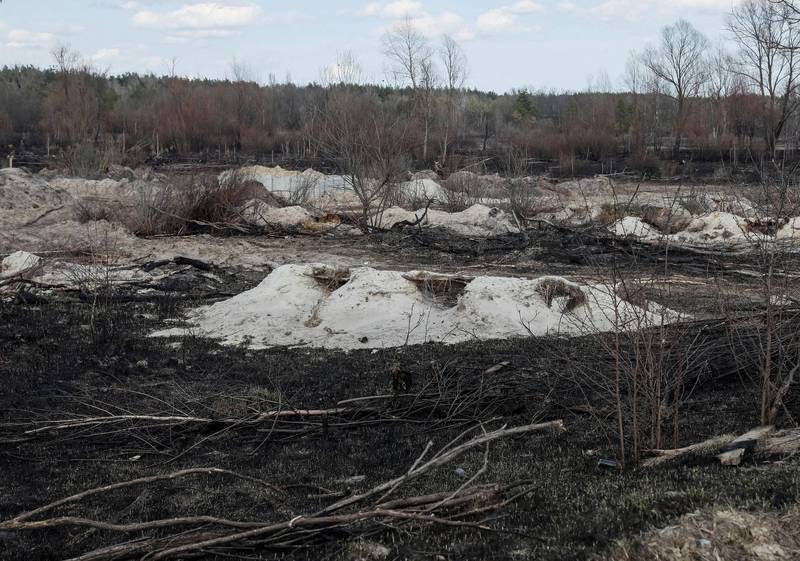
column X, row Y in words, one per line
column 551, row 44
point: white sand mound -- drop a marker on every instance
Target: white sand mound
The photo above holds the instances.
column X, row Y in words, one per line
column 634, row 226
column 589, row 187
column 790, row 231
column 422, row 189
column 287, row 182
column 26, row 198
column 19, row 262
column 260, row 213
column 295, row 306
column 710, row 229
column 477, row 220
column 716, row 226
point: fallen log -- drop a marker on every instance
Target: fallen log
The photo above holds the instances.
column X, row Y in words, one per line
column 782, row 443
column 729, row 450
column 733, row 453
column 712, row 445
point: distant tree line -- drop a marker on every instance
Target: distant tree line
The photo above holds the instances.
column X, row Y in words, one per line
column 681, row 99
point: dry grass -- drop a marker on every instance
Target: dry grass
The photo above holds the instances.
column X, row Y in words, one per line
column 729, row 535
column 550, row 288
column 462, row 191
column 187, row 203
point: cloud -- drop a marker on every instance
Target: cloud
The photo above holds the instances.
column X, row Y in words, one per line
column 568, row 7
column 632, row 10
column 427, row 23
column 206, row 15
column 433, row 25
column 393, row 10
column 102, row 55
column 129, row 4
column 189, row 35
column 505, row 18
column 24, row 39
column 287, row 17
column 495, row 21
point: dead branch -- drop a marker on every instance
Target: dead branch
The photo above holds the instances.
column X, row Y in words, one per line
column 14, row 522
column 444, row 508
column 733, row 453
column 443, row 458
column 711, row 445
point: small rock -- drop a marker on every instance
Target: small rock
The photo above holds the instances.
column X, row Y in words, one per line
column 18, row 262
column 704, row 543
column 460, row 472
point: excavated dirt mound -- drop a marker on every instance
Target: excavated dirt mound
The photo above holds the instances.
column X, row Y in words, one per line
column 319, row 306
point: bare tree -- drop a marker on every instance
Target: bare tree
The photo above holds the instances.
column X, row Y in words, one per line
column 720, row 85
column 633, row 79
column 245, row 90
column 366, row 142
column 454, row 63
column 411, row 62
column 346, row 70
column 426, row 93
column 406, row 48
column 679, row 63
column 768, row 42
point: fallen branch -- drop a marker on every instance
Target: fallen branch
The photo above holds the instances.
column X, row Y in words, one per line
column 445, row 509
column 733, row 453
column 712, row 445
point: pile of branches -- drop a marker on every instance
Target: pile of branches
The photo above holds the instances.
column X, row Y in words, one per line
column 372, row 512
column 448, row 399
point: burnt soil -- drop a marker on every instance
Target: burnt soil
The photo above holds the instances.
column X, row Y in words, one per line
column 62, row 358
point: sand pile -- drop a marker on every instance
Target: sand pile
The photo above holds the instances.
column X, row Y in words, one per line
column 309, row 185
column 709, row 229
column 477, row 220
column 319, row 306
column 28, row 199
column 635, row 226
column 790, row 230
column 422, row 190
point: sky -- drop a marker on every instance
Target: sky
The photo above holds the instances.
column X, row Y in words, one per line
column 562, row 45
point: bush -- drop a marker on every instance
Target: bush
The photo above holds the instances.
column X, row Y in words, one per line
column 463, row 189
column 192, row 204
column 647, row 166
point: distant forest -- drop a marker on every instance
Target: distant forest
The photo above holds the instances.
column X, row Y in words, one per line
column 683, row 101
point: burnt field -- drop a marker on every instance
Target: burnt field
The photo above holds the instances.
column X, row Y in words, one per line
column 403, row 453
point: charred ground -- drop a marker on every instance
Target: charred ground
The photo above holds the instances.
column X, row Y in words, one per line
column 62, row 358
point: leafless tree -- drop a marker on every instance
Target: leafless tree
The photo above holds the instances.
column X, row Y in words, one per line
column 426, row 94
column 679, row 63
column 769, row 43
column 406, row 47
column 454, row 63
column 346, row 70
column 721, row 83
column 366, row 142
column 411, row 62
